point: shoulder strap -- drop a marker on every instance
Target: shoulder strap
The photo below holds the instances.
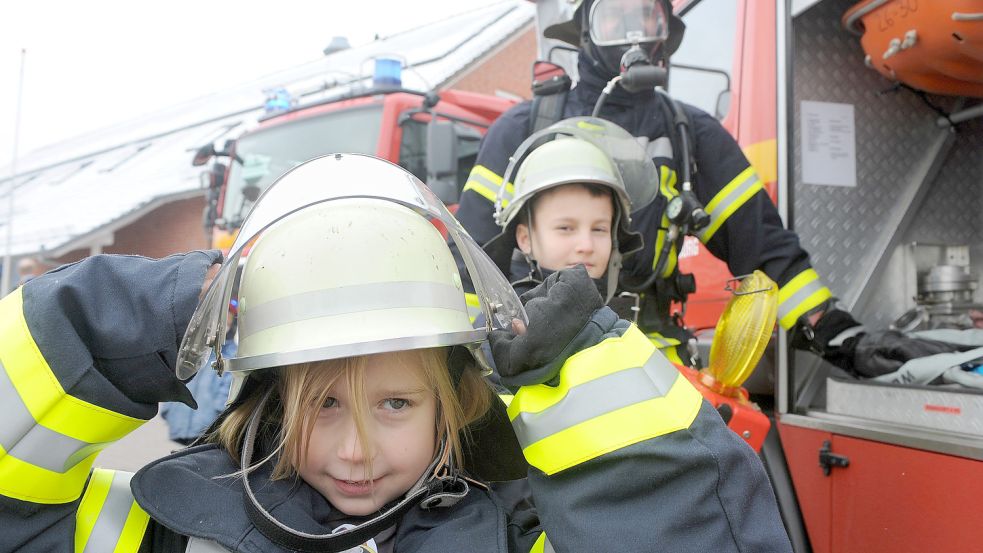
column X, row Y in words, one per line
column 550, row 84
column 675, row 118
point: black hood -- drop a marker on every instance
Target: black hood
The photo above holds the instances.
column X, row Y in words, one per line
column 593, row 78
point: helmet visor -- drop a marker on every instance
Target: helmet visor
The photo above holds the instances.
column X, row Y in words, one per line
column 330, row 178
column 620, row 22
column 635, row 168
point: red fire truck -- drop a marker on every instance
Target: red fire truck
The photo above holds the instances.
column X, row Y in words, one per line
column 434, row 135
column 863, row 118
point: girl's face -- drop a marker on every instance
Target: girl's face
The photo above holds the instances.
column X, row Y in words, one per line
column 571, row 227
column 401, row 425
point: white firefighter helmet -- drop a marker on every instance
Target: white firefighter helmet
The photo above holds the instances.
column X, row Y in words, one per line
column 348, row 277
column 344, row 262
column 579, row 150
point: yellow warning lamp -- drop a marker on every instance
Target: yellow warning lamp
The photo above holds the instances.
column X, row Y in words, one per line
column 742, row 332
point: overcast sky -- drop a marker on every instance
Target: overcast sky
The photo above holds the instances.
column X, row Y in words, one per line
column 92, row 63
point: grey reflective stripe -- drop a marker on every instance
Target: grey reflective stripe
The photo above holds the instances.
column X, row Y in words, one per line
column 801, row 295
column 112, row 517
column 198, row 545
column 547, row 546
column 660, row 147
column 351, row 299
column 598, row 397
column 488, row 183
column 729, row 200
column 22, row 437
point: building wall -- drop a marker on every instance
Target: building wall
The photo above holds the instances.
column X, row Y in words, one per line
column 507, row 69
column 171, row 228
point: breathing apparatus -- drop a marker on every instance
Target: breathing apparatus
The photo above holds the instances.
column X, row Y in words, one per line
column 344, row 260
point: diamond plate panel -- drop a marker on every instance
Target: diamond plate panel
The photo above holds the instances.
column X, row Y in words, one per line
column 951, row 211
column 935, row 409
column 837, row 225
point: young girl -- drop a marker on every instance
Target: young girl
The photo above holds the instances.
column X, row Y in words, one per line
column 358, row 418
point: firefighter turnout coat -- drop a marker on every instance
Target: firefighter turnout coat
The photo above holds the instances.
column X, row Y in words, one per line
column 625, row 455
column 745, row 231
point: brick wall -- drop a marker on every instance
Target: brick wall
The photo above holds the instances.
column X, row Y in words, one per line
column 508, row 68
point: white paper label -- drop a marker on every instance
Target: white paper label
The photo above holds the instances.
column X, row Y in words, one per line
column 829, row 148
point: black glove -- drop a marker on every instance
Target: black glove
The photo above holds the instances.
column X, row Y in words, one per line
column 839, row 339
column 558, row 310
column 884, row 352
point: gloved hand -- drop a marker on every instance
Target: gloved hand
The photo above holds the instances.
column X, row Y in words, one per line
column 884, row 352
column 838, row 338
column 558, row 310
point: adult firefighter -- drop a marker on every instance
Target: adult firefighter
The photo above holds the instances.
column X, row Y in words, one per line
column 706, row 186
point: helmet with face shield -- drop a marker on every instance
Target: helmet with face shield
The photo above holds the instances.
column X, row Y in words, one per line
column 578, row 150
column 606, row 29
column 344, row 260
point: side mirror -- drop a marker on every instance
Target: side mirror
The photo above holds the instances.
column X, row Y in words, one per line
column 203, row 154
column 723, row 105
column 212, row 180
column 442, row 160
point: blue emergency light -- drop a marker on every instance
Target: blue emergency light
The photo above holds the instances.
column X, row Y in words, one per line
column 277, row 100
column 388, row 73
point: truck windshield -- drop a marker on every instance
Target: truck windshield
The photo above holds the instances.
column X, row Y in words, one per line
column 266, row 154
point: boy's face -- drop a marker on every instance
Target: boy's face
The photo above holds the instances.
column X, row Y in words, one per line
column 402, row 428
column 570, row 227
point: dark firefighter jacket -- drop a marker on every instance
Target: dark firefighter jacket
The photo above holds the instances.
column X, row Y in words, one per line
column 624, row 453
column 745, row 230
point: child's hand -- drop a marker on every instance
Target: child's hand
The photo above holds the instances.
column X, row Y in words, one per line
column 558, row 310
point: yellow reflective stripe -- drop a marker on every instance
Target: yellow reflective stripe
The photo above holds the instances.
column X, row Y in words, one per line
column 672, row 355
column 506, row 399
column 108, row 519
column 631, row 349
column 474, row 306
column 542, row 545
column 661, row 341
column 667, row 182
column 133, row 530
column 730, row 199
column 617, row 393
column 667, row 187
column 764, row 158
column 39, row 412
column 90, row 506
column 801, row 294
column 485, row 182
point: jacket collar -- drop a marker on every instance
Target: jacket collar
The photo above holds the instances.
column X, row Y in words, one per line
column 191, row 493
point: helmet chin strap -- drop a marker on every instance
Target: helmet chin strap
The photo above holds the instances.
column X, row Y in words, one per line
column 440, row 486
column 535, row 271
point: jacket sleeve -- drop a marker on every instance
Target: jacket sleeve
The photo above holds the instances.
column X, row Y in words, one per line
column 88, row 351
column 625, row 455
column 476, row 211
column 745, row 228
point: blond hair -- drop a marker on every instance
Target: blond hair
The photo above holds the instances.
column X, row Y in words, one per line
column 302, row 389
